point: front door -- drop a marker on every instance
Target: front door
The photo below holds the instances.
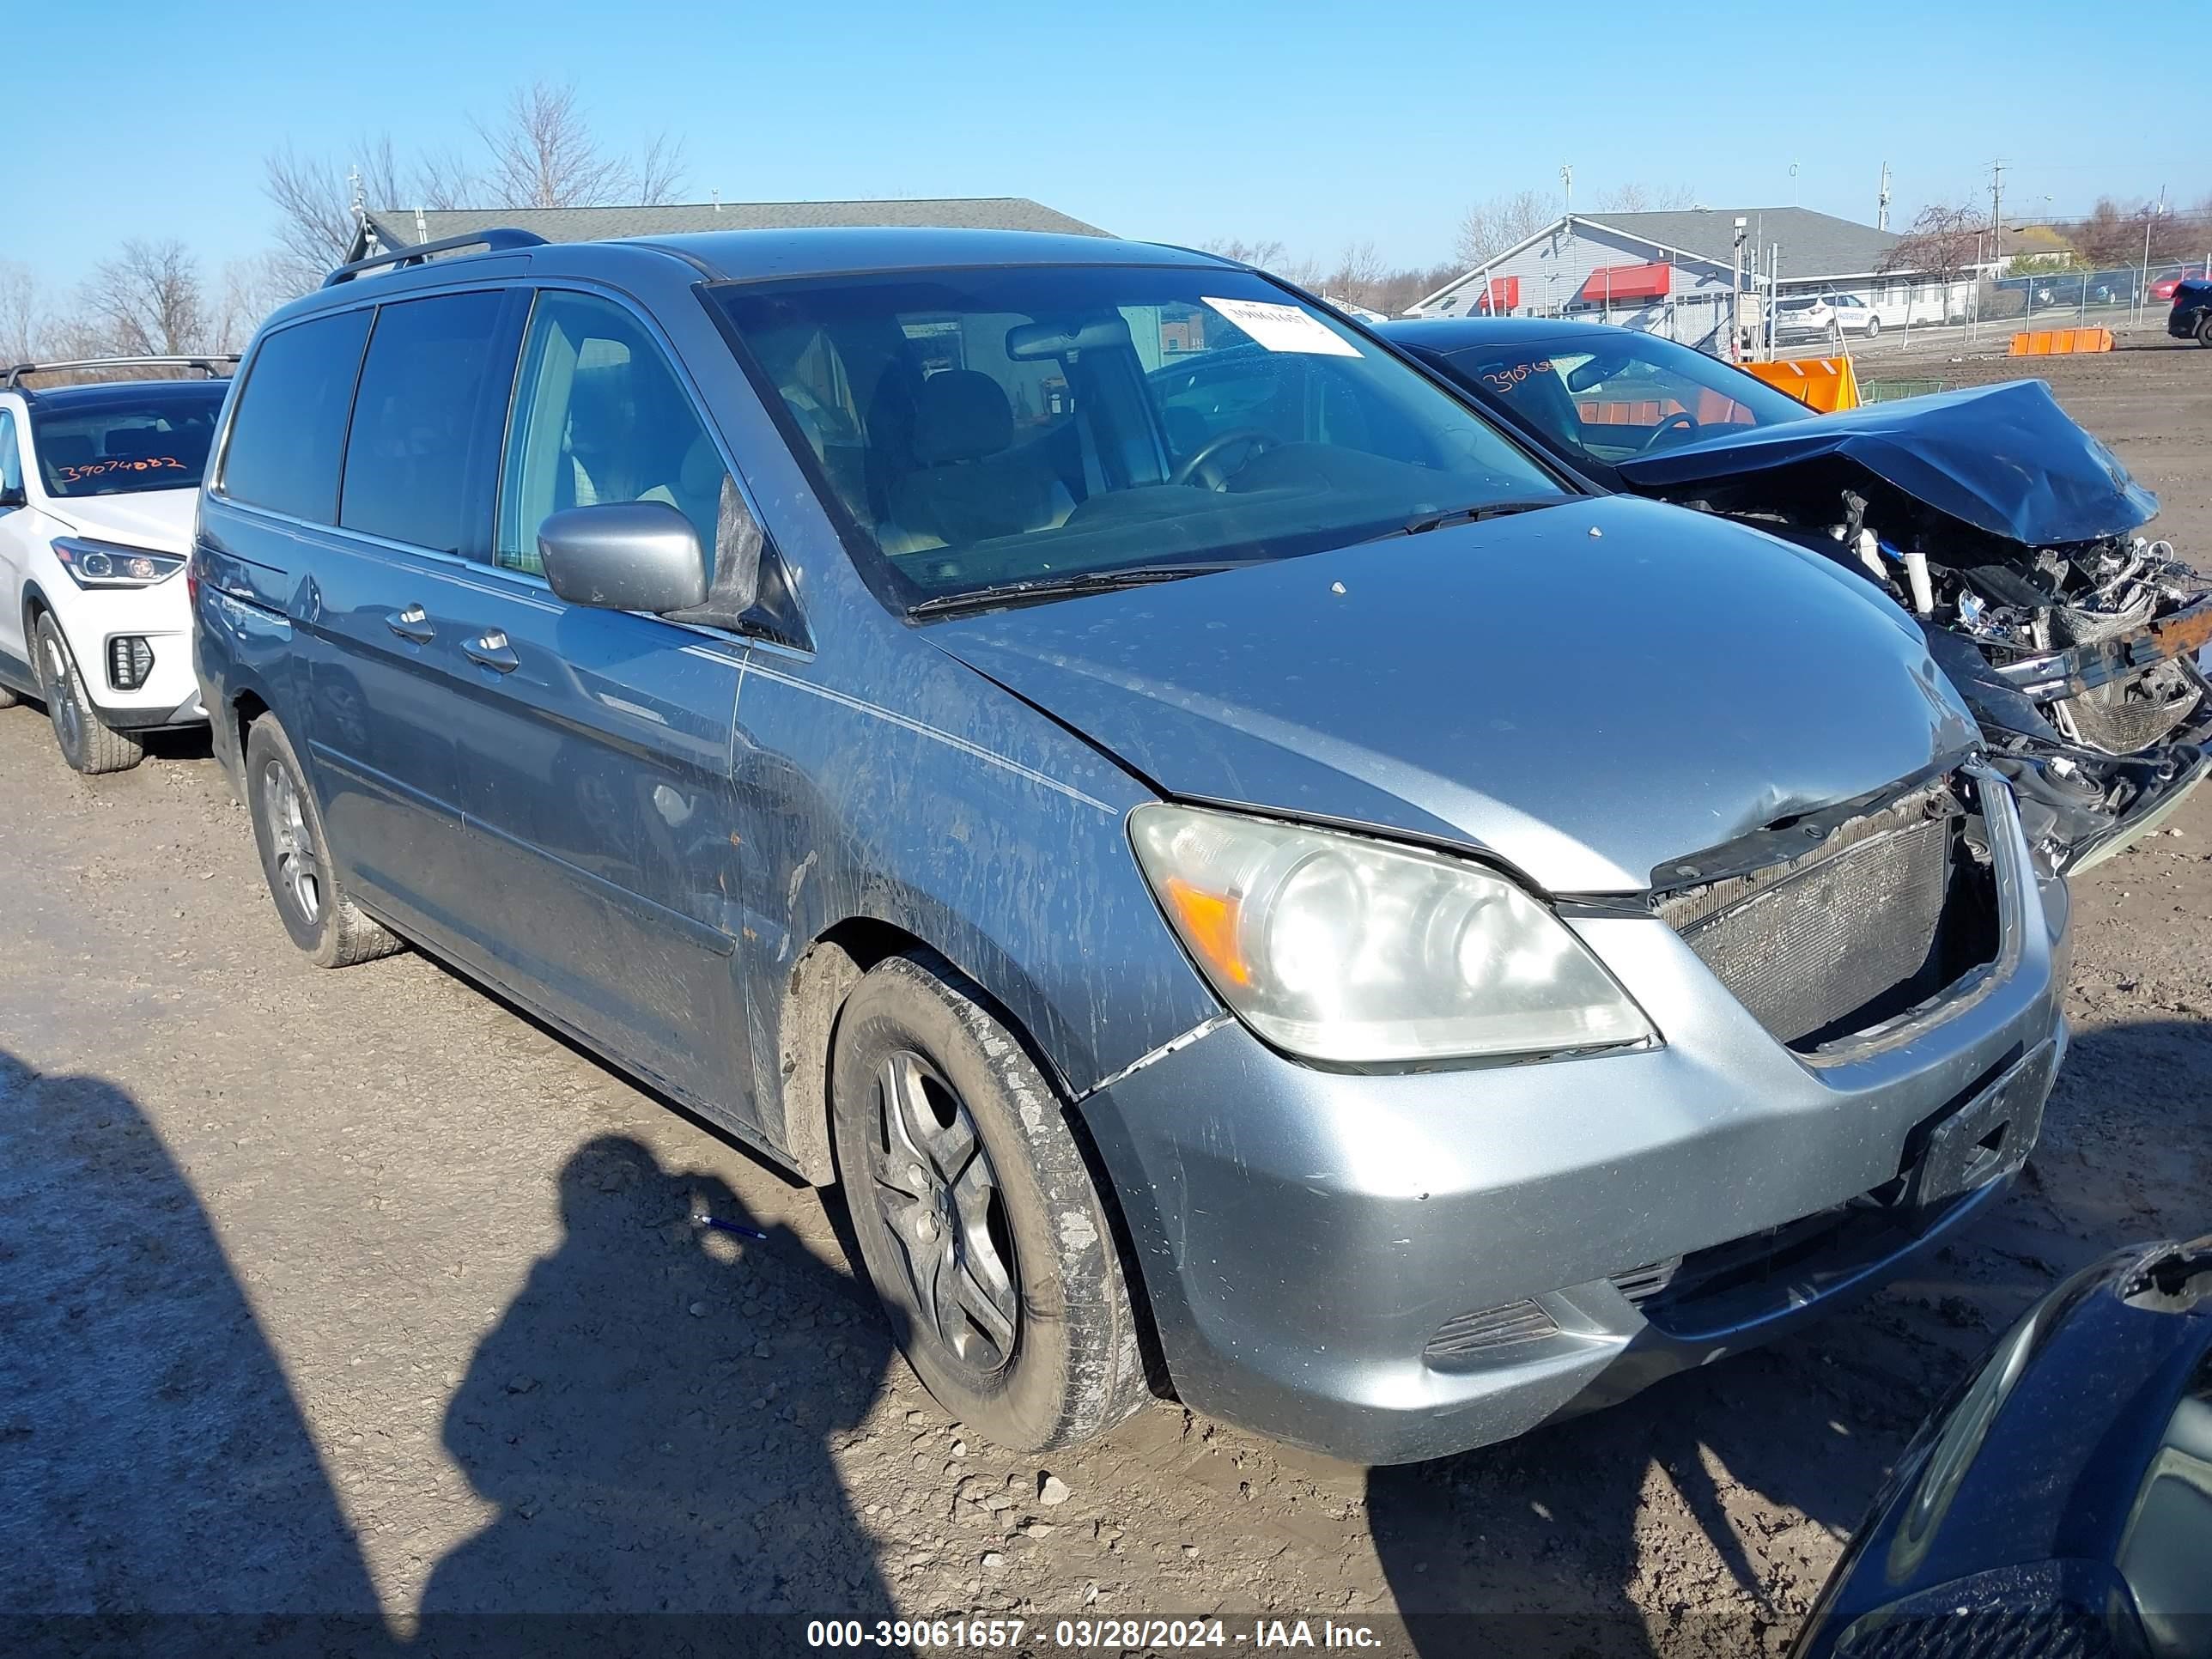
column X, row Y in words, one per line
column 595, row 754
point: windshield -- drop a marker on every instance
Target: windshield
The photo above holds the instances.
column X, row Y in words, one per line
column 1036, row 425
column 1641, row 394
column 123, row 441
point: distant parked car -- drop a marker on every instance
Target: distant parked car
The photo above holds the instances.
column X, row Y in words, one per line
column 2163, row 285
column 98, row 485
column 1160, row 841
column 2060, row 1502
column 2191, row 316
column 1827, row 316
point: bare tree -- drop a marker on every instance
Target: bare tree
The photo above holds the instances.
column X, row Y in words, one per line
column 21, row 315
column 314, row 198
column 147, row 300
column 252, row 288
column 1266, row 255
column 543, row 154
column 1943, row 242
column 1635, row 196
column 1488, row 228
column 1359, row 276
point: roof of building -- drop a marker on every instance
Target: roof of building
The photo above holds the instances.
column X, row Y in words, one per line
column 402, row 227
column 1814, row 244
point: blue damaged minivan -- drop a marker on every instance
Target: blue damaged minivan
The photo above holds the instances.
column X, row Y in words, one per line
column 1256, row 885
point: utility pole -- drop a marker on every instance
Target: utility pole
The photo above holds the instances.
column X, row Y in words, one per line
column 1881, row 207
column 1996, row 208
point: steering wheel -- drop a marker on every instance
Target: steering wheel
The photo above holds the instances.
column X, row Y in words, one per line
column 1199, row 459
column 1681, row 418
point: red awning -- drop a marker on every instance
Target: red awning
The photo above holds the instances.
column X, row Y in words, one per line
column 1626, row 283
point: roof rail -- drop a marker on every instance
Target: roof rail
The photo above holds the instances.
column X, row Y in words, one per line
column 494, row 242
column 216, row 365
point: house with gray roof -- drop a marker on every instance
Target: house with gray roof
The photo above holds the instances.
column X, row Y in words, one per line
column 1674, row 273
column 386, row 230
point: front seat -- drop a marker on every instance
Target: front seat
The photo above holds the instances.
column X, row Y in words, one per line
column 968, row 484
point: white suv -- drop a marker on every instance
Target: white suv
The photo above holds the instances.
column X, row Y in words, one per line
column 98, row 486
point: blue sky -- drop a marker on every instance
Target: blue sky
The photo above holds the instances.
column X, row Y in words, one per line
column 1183, row 122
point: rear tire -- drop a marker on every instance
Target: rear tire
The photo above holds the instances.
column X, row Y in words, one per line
column 2204, row 330
column 326, row 925
column 88, row 743
column 975, row 1213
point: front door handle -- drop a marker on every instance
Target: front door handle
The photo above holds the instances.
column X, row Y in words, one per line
column 493, row 652
column 412, row 623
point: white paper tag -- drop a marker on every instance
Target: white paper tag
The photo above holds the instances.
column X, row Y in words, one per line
column 1284, row 328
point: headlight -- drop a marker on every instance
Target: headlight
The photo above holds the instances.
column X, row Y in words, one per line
column 1343, row 949
column 109, row 564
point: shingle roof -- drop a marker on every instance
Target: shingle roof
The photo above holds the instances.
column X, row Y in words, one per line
column 397, row 228
column 1814, row 244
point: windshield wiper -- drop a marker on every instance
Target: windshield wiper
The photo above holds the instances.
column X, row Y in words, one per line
column 1475, row 514
column 1058, row 587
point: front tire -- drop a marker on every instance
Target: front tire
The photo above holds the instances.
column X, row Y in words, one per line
column 976, row 1215
column 88, row 743
column 326, row 925
column 1873, row 328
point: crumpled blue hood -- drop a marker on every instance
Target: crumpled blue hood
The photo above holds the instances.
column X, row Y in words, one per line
column 2004, row 459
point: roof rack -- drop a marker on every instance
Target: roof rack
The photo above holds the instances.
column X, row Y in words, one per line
column 216, row 366
column 493, row 241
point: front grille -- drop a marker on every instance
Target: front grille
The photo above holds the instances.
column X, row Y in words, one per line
column 1892, row 906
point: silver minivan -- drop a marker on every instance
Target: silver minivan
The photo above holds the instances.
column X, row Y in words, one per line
column 1254, row 883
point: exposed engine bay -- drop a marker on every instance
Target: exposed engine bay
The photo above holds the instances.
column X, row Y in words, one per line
column 2080, row 644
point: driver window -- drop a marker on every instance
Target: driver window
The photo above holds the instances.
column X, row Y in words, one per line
column 1626, row 406
column 11, row 468
column 598, row 416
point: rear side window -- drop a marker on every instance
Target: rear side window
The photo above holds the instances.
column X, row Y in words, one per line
column 417, row 416
column 288, row 435
column 11, row 470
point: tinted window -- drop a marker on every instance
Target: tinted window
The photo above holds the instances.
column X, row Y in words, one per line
column 599, row 417
column 11, row 470
column 288, row 435
column 122, row 440
column 422, row 395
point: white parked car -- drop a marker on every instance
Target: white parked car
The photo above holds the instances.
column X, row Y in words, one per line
column 98, row 486
column 1829, row 316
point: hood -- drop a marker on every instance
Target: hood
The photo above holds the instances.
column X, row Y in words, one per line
column 1585, row 692
column 2002, row 459
column 161, row 520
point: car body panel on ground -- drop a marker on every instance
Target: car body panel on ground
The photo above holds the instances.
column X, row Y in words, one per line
column 2061, row 1500
column 915, row 731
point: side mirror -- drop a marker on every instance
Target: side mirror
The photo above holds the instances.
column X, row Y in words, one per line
column 624, row 555
column 12, row 496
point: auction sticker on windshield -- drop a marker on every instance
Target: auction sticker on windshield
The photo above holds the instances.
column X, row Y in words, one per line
column 1284, row 328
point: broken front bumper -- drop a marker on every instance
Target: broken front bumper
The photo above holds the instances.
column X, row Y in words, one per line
column 1394, row 1267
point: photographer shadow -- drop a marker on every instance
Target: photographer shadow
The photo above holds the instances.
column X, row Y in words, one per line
column 654, row 1415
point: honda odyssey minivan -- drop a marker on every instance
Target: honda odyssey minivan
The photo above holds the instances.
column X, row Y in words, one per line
column 1272, row 892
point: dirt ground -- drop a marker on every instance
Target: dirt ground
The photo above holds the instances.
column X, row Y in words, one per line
column 356, row 1294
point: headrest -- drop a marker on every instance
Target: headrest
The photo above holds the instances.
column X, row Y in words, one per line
column 960, row 415
column 136, row 442
column 701, row 473
column 68, row 449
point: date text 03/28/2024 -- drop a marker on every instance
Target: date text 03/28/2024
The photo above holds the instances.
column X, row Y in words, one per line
column 1118, row 1634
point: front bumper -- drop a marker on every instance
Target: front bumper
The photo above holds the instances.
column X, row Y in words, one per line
column 1303, row 1235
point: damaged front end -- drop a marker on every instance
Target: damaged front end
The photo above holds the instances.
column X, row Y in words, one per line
column 2010, row 533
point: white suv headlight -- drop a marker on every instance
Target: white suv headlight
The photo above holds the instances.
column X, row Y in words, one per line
column 1344, row 949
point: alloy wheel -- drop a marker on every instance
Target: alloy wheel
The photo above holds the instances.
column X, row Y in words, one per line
column 298, row 871
column 932, row 1183
column 61, row 695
